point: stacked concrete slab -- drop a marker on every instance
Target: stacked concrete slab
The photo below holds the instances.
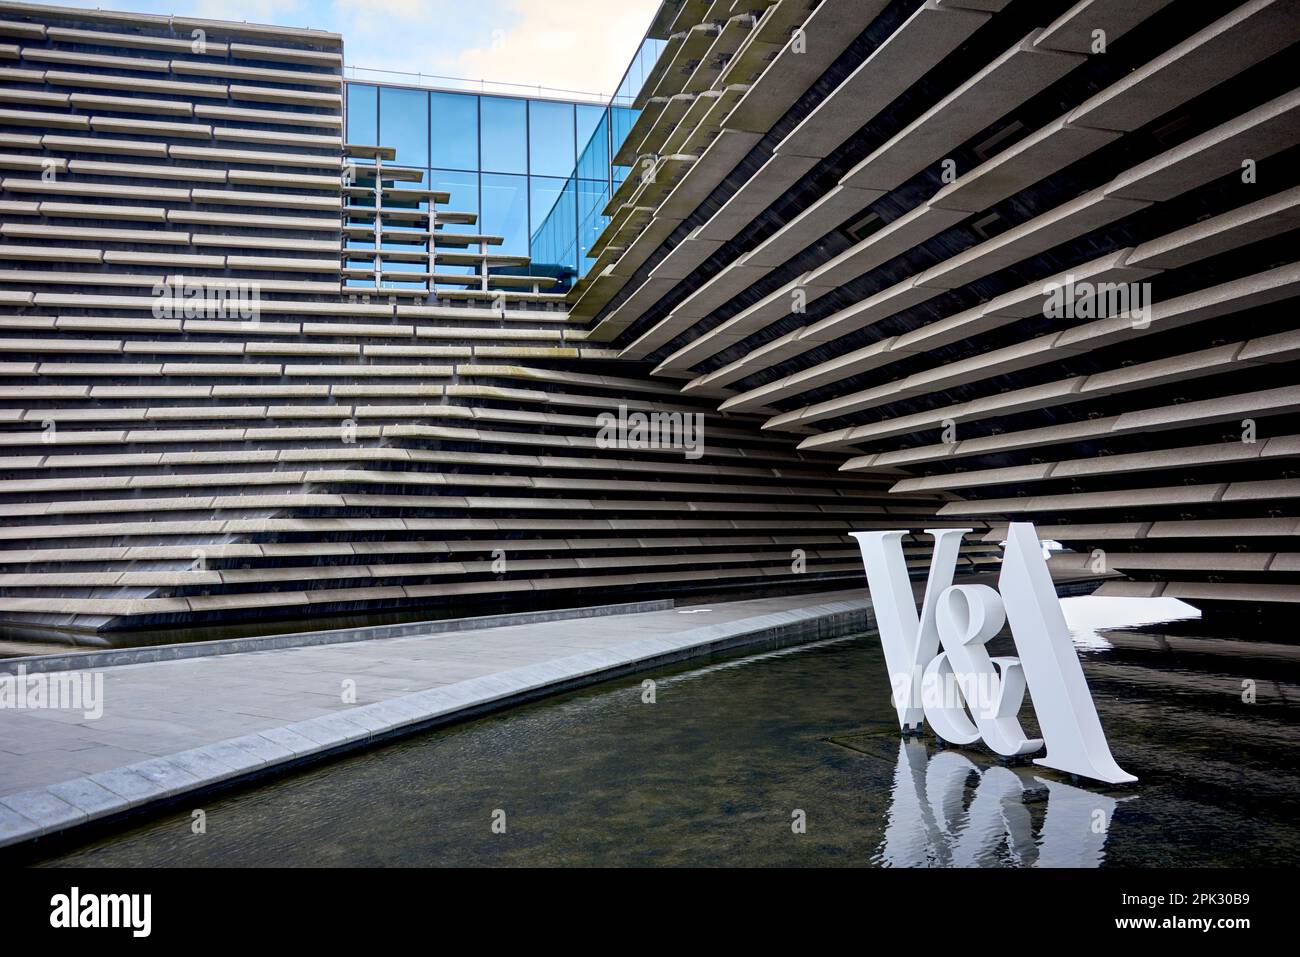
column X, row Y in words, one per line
column 364, row 440
column 862, row 215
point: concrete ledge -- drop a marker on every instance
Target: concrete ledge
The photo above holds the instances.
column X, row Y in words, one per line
column 110, row 796
column 110, row 657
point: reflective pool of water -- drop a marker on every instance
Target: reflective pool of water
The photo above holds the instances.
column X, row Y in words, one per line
column 733, row 753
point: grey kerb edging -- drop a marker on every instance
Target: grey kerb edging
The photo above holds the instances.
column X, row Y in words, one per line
column 72, row 804
column 108, row 657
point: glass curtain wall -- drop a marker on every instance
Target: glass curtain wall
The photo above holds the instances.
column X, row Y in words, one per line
column 537, row 172
column 586, row 192
column 506, row 159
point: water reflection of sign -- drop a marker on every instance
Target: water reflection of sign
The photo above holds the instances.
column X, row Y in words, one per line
column 931, row 824
column 966, row 694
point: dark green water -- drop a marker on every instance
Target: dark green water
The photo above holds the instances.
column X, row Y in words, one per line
column 712, row 772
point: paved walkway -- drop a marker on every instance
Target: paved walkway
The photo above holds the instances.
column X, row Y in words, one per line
column 173, row 726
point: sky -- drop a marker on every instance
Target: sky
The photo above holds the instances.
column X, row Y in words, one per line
column 578, row 45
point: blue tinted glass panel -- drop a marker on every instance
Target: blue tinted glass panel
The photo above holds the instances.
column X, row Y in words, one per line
column 554, row 210
column 550, row 138
column 621, row 120
column 362, row 114
column 592, row 197
column 463, row 187
column 638, row 71
column 589, row 118
column 504, row 135
column 505, row 211
column 631, row 82
column 404, row 123
column 656, row 48
column 593, row 163
column 544, row 193
column 453, row 124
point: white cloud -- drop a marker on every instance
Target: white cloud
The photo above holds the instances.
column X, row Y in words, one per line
column 410, row 36
column 580, row 45
column 563, row 44
column 282, row 13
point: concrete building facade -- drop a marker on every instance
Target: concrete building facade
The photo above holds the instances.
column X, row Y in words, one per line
column 216, row 407
column 1038, row 256
column 912, row 264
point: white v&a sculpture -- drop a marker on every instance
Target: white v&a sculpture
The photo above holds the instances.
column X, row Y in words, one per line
column 941, row 671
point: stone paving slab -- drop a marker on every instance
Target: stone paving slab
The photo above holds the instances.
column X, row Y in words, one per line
column 176, row 725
